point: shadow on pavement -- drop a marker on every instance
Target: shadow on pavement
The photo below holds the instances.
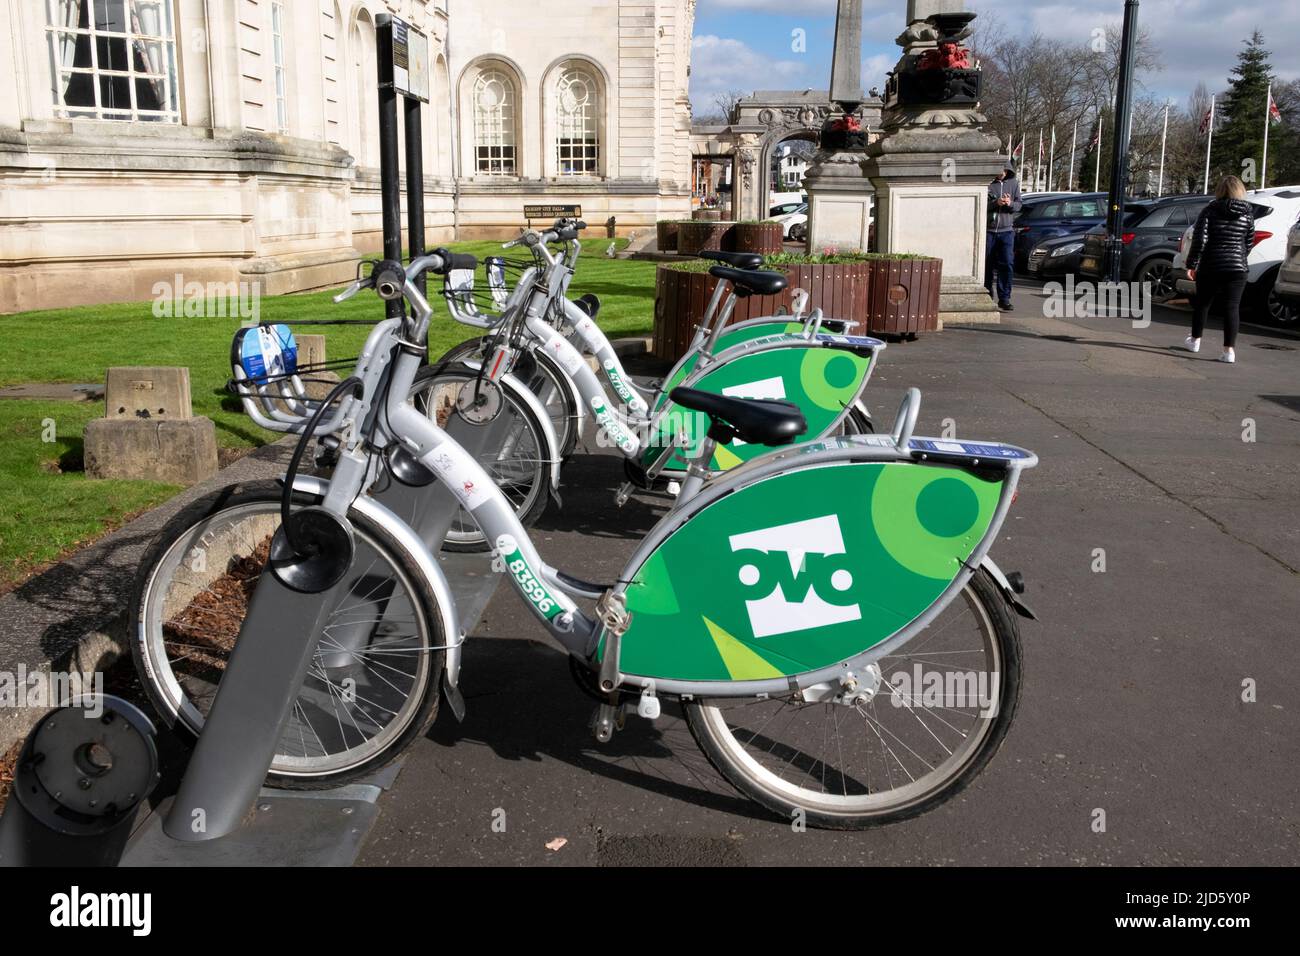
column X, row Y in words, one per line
column 523, row 702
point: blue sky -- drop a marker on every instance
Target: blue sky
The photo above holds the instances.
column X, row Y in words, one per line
column 750, row 44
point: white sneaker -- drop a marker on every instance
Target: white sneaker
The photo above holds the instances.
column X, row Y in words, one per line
column 1193, row 345
column 1229, row 356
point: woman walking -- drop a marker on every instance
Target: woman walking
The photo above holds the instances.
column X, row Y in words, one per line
column 1221, row 240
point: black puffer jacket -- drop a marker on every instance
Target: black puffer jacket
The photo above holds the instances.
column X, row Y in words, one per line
column 1222, row 237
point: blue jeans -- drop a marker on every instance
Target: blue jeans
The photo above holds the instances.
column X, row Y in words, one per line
column 999, row 262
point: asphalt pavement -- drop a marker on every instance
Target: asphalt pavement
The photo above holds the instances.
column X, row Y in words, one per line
column 1178, row 471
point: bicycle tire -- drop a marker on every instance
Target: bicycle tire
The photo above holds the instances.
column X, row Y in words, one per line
column 170, row 710
column 704, row 724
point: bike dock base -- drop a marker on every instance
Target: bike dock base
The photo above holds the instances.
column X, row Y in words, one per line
column 307, row 827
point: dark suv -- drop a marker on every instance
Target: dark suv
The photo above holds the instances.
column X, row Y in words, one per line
column 1056, row 217
column 1151, row 233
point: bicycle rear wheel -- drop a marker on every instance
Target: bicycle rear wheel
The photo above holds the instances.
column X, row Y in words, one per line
column 944, row 704
column 372, row 686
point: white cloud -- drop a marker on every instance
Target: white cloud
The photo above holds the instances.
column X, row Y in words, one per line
column 874, row 69
column 789, row 7
column 719, row 64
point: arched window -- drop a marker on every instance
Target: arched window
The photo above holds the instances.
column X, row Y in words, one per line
column 495, row 102
column 577, row 124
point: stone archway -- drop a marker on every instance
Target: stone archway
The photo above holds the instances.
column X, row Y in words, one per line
column 764, row 186
column 763, row 120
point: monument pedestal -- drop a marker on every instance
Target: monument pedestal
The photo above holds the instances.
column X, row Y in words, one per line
column 840, row 203
column 931, row 198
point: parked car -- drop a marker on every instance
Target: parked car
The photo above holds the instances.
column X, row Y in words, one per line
column 1276, row 211
column 1287, row 286
column 796, row 217
column 1057, row 257
column 1050, row 218
column 783, row 203
column 1151, row 233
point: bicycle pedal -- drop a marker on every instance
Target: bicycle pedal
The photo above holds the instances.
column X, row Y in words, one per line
column 605, row 721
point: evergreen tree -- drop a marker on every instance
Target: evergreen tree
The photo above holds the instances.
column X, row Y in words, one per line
column 1239, row 137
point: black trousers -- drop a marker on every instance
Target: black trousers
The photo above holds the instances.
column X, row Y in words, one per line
column 1227, row 288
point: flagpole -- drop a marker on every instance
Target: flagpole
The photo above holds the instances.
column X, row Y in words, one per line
column 1038, row 165
column 1268, row 121
column 1160, row 189
column 1074, row 141
column 1051, row 160
column 1096, row 180
column 1209, row 141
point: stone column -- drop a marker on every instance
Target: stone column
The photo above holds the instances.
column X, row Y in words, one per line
column 840, row 201
column 933, row 162
column 839, row 192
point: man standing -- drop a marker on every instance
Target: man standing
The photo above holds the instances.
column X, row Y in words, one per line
column 1004, row 203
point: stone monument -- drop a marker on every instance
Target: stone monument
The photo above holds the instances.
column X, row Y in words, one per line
column 933, row 161
column 839, row 192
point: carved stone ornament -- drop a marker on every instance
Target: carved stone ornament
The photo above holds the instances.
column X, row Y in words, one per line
column 747, row 168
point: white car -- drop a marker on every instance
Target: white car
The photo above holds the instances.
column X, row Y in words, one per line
column 794, row 225
column 1287, row 287
column 783, row 203
column 1276, row 210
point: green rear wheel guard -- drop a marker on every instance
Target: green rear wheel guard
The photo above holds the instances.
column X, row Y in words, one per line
column 803, row 570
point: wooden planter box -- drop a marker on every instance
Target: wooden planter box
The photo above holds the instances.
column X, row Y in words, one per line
column 695, row 237
column 712, row 215
column 885, row 297
column 762, row 237
column 904, row 297
column 666, row 235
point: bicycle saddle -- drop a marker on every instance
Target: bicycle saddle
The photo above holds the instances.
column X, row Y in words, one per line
column 737, row 260
column 750, row 283
column 757, row 421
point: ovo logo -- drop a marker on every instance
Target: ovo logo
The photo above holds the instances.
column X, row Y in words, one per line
column 806, row 572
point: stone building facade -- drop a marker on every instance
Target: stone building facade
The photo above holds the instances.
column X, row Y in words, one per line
column 237, row 140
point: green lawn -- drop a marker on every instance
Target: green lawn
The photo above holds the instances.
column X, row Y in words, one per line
column 49, row 507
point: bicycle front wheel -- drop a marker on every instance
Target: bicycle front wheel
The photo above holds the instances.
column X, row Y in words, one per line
column 520, row 465
column 942, row 709
column 544, row 378
column 372, row 685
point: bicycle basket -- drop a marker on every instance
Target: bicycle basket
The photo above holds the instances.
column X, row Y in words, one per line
column 265, row 352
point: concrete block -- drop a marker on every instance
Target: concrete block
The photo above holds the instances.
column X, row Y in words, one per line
column 148, row 392
column 311, row 351
column 175, row 451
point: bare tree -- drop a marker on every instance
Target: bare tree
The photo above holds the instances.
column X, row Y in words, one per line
column 725, row 103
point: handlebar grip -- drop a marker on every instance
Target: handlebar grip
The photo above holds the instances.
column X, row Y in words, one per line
column 454, row 260
column 389, row 279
